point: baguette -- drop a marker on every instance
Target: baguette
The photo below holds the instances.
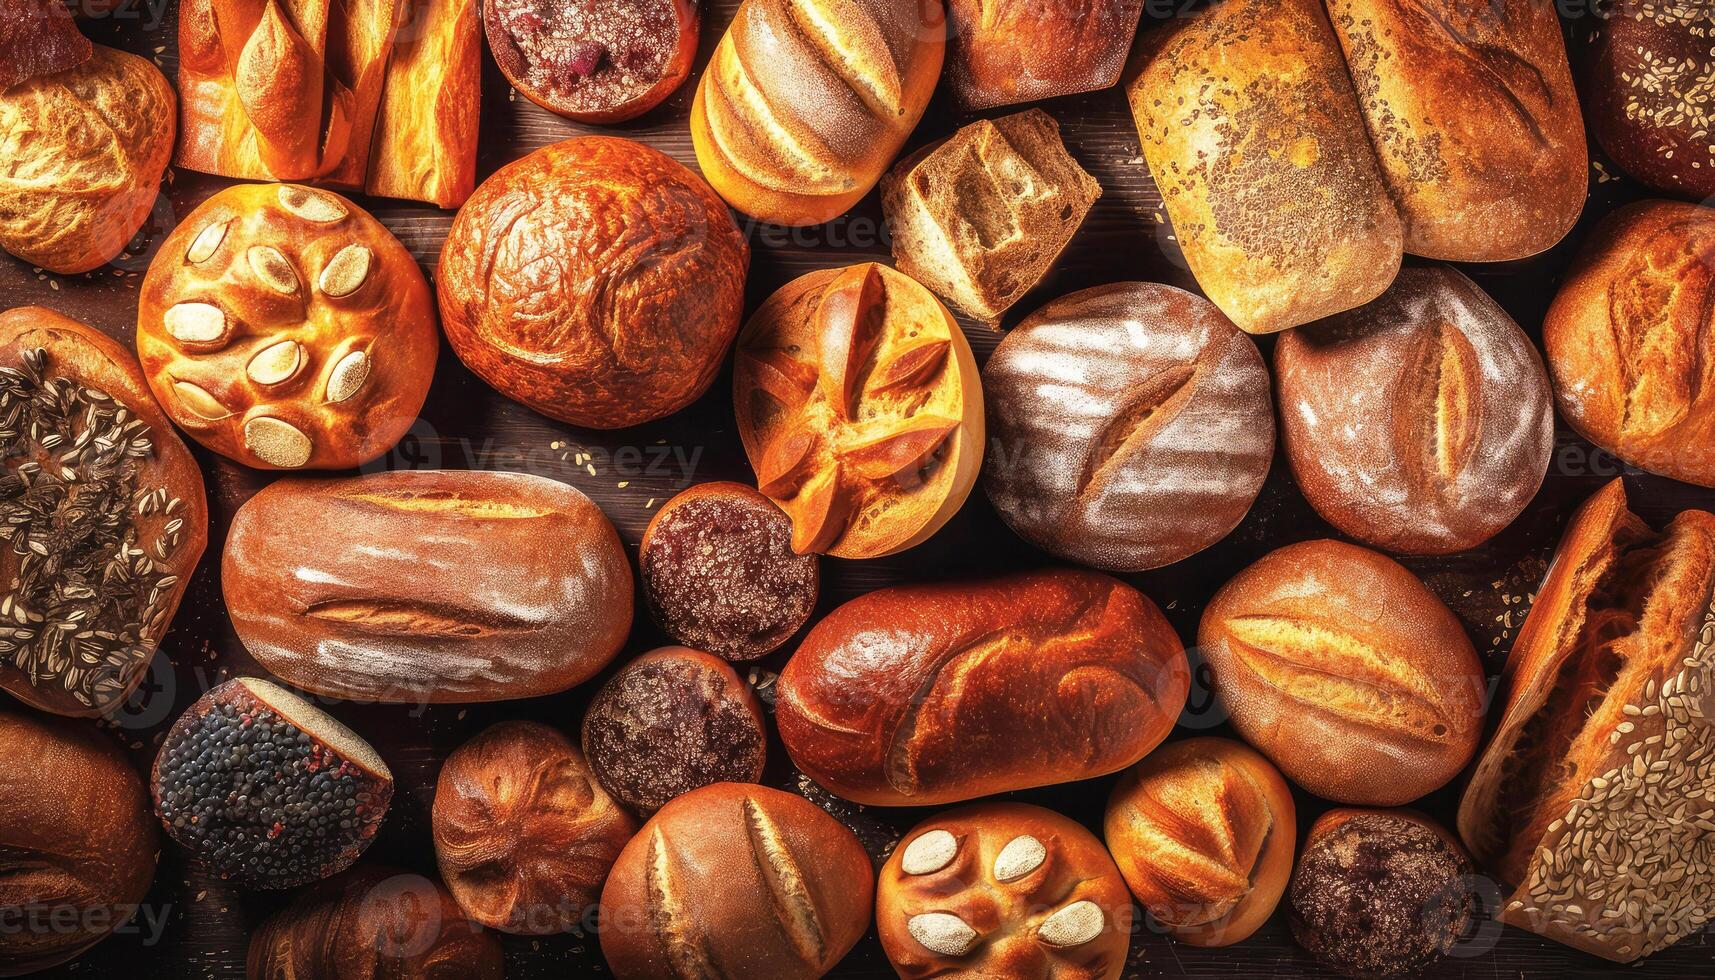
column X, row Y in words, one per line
column 426, row 125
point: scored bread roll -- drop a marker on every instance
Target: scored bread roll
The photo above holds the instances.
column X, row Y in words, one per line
column 805, row 103
column 1203, row 831
column 926, row 694
column 1592, row 801
column 1252, row 131
column 1475, row 120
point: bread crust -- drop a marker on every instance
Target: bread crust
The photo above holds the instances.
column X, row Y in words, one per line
column 1001, row 52
column 1646, row 86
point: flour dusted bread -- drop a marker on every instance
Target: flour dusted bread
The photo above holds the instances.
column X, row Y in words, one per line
column 981, row 217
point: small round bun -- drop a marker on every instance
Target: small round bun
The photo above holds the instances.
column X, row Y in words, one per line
column 75, row 832
column 593, row 62
column 1646, row 90
column 523, row 833
column 1203, row 831
column 1003, row 890
column 1380, row 894
column 671, row 721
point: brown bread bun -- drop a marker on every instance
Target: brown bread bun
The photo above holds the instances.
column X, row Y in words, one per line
column 1246, row 110
column 38, row 37
column 596, row 281
column 133, row 480
column 593, row 61
column 1203, row 831
column 1627, row 334
column 1000, row 52
column 1380, row 894
column 1584, row 803
column 427, row 586
column 804, row 105
column 76, row 838
column 1003, row 890
column 671, row 721
column 1474, row 117
column 925, row 694
column 267, row 790
column 285, row 328
column 69, row 202
column 1131, row 426
column 1342, row 668
column 860, row 408
column 1647, row 91
column 739, row 881
column 373, row 923
column 720, row 574
column 1420, row 423
column 524, row 834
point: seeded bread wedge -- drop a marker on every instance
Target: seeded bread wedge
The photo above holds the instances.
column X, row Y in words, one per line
column 980, row 217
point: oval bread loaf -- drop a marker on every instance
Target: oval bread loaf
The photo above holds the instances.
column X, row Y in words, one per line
column 931, row 694
column 427, row 586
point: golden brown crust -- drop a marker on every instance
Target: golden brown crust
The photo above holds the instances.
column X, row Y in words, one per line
column 1350, row 675
column 168, row 531
column 426, row 126
column 926, row 694
column 1203, row 831
column 1001, row 52
column 734, row 880
column 286, row 328
column 1003, row 890
column 860, row 408
column 69, row 202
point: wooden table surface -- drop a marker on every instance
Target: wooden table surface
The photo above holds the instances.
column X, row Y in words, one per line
column 466, row 425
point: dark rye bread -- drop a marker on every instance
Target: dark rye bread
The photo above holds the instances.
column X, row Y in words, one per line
column 1131, row 426
column 1650, row 83
column 980, row 217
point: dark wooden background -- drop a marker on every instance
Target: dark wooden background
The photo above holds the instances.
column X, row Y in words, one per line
column 629, row 473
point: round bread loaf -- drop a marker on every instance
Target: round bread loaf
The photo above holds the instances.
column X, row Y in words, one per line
column 739, row 881
column 860, row 407
column 77, row 843
column 1001, row 52
column 720, row 575
column 524, row 834
column 1380, row 894
column 85, row 152
column 1647, row 91
column 286, row 328
column 373, row 923
column 1131, row 426
column 1420, row 423
column 1203, row 831
column 926, row 694
column 671, row 721
column 1628, row 339
column 1342, row 668
column 1003, row 890
column 592, row 60
column 596, row 281
column 105, row 512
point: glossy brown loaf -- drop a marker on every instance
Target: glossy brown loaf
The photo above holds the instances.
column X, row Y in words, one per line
column 77, row 841
column 1001, row 52
column 1647, row 91
column 1130, row 426
column 596, row 281
column 1003, row 890
column 1346, row 672
column 860, row 408
column 737, row 881
column 1473, row 114
column 427, row 586
column 373, row 923
column 286, row 328
column 924, row 694
column 1628, row 339
column 1421, row 423
column 138, row 486
column 1583, row 803
column 805, row 104
column 524, row 835
column 1203, row 830
column 594, row 61
column 70, row 202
